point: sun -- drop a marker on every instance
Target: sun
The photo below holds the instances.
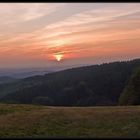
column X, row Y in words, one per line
column 58, row 57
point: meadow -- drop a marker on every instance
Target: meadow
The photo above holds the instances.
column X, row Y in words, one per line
column 31, row 121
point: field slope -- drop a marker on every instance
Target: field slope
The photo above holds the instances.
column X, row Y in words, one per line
column 43, row 121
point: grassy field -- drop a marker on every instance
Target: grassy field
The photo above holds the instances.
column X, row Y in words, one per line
column 42, row 121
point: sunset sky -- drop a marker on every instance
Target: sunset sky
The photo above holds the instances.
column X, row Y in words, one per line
column 36, row 34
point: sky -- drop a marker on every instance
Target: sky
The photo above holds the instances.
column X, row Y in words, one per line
column 68, row 34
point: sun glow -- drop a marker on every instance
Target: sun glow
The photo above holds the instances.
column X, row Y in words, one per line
column 58, row 57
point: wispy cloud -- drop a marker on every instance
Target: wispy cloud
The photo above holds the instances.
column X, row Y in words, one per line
column 75, row 30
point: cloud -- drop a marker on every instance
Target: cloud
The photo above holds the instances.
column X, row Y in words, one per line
column 73, row 29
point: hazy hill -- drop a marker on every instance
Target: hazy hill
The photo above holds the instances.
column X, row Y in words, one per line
column 83, row 86
column 6, row 79
column 23, row 72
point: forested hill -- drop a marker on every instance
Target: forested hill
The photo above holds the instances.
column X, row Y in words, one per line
column 84, row 86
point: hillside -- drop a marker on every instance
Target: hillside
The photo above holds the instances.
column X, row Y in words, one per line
column 131, row 93
column 84, row 86
column 41, row 121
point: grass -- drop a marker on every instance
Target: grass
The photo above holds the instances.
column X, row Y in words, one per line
column 42, row 121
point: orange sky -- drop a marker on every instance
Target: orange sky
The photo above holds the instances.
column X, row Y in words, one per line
column 31, row 34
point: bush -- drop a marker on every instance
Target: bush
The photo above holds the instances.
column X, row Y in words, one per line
column 131, row 93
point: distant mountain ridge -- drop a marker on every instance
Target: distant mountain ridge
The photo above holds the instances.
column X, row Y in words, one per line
column 84, row 86
column 21, row 73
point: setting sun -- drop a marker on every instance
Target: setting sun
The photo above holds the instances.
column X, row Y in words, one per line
column 58, row 57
